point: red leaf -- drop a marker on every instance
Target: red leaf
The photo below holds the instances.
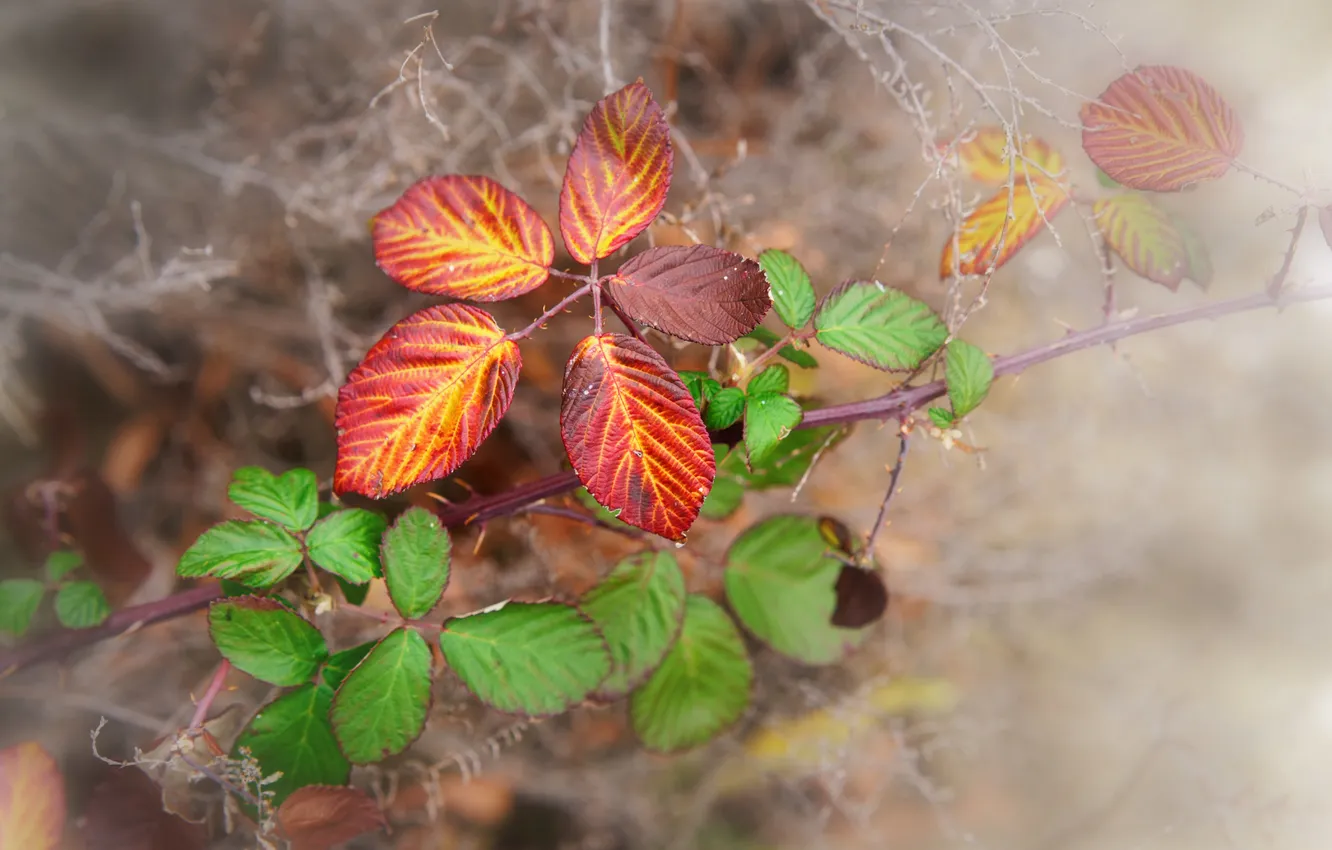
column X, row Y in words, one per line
column 698, row 293
column 423, row 399
column 1161, row 128
column 467, row 237
column 618, row 174
column 979, row 236
column 318, row 816
column 32, row 798
column 634, row 436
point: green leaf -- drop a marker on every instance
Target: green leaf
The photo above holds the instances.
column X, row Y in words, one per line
column 639, row 608
column 786, row 464
column 1200, row 269
column 416, row 562
column 701, row 687
column 266, row 640
column 235, row 588
column 878, row 326
column 339, row 664
column 599, row 510
column 382, row 704
column 62, row 563
column 725, row 408
column 774, row 379
column 19, row 598
column 792, row 292
column 346, row 544
column 292, row 735
column 533, row 658
column 968, row 372
column 781, row 585
column 355, row 594
column 789, row 353
column 769, row 418
column 723, row 499
column 291, row 499
column 81, row 605
column 942, row 417
column 700, row 385
column 255, row 552
column 1106, row 181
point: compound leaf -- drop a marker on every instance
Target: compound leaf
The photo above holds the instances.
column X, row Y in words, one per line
column 1144, row 236
column 987, row 155
column 701, row 687
column 1161, row 128
column 990, row 236
column 381, row 705
column 533, row 658
column 290, row 499
column 618, row 174
column 699, row 293
column 968, row 373
column 463, row 236
column 423, row 399
column 292, row 735
column 878, row 326
column 32, row 798
column 61, row 563
column 724, row 409
column 19, row 598
column 769, row 418
column 774, row 379
column 792, row 290
column 255, row 553
column 639, row 608
column 701, row 386
column 786, row 464
column 81, row 605
column 416, row 562
column 346, row 544
column 633, row 435
column 266, row 640
column 781, row 583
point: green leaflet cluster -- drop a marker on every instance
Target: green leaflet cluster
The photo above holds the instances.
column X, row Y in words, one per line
column 77, row 603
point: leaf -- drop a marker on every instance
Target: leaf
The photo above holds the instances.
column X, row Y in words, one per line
column 423, row 399
column 634, row 436
column 792, row 291
column 292, row 735
column 724, row 409
column 878, row 326
column 290, row 500
column 986, row 155
column 702, row 686
column 1104, row 180
column 787, row 463
column 618, row 174
column 126, row 810
column 862, row 598
column 789, row 353
column 781, row 584
column 1199, row 266
column 968, row 372
column 355, row 594
column 255, row 553
column 769, row 418
column 416, row 562
column 1161, row 128
column 699, row 293
column 346, row 544
column 700, row 385
column 533, row 658
column 723, row 499
column 19, row 598
column 262, row 638
column 339, row 664
column 639, row 609
column 317, row 817
column 32, row 798
column 381, row 706
column 598, row 510
column 942, row 417
column 81, row 605
column 774, row 379
column 61, row 563
column 1143, row 235
column 983, row 241
column 465, row 237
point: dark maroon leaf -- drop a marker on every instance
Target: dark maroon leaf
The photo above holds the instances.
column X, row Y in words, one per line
column 125, row 813
column 699, row 293
column 317, row 817
column 862, row 598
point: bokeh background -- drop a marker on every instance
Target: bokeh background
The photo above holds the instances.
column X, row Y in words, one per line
column 1110, row 623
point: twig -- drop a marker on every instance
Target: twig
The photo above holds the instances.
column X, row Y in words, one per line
column 214, row 688
column 552, row 312
column 892, row 488
column 595, row 522
column 390, row 617
column 603, row 41
column 627, row 321
column 1278, row 281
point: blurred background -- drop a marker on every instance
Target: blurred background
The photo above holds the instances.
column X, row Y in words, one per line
column 1109, row 622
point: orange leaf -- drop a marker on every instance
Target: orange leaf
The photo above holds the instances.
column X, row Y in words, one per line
column 423, row 399
column 32, row 798
column 467, row 237
column 634, row 436
column 317, row 817
column 1161, row 128
column 982, row 154
column 618, row 174
column 979, row 236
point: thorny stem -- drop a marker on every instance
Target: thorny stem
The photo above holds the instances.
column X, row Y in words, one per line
column 596, row 302
column 390, row 617
column 595, row 522
column 898, row 403
column 774, row 351
column 552, row 312
column 896, row 473
column 1278, row 281
column 214, row 688
column 628, row 322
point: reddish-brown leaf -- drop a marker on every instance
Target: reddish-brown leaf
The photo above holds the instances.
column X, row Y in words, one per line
column 1161, row 128
column 862, row 597
column 317, row 817
column 986, row 156
column 986, row 243
column 618, row 174
column 634, row 436
column 699, row 293
column 125, row 813
column 463, row 236
column 32, row 798
column 423, row 399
